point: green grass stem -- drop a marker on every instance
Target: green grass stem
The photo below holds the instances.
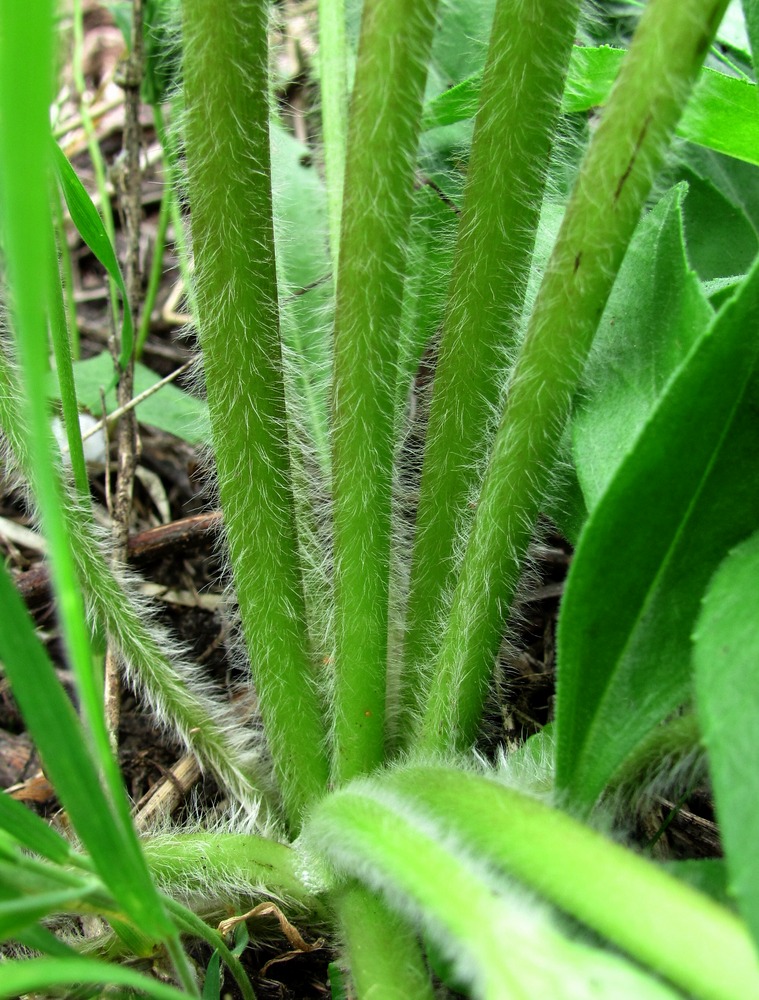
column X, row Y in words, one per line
column 25, row 87
column 93, row 146
column 616, row 176
column 59, row 334
column 67, row 272
column 395, row 42
column 520, row 96
column 227, row 131
column 156, row 271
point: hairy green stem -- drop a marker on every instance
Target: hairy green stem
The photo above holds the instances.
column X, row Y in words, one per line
column 396, row 36
column 694, row 942
column 615, row 179
column 499, row 941
column 520, row 96
column 227, row 130
column 384, row 955
column 223, row 863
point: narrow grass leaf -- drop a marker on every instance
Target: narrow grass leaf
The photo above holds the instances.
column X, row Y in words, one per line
column 90, row 227
column 38, row 974
column 726, row 653
column 721, row 114
column 656, row 312
column 58, row 736
column 212, row 983
column 189, row 923
column 421, row 870
column 625, row 660
column 32, row 832
column 698, row 945
column 18, row 914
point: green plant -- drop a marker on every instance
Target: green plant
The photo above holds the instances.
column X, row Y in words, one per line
column 620, row 395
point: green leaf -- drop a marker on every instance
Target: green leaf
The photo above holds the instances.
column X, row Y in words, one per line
column 655, row 314
column 679, row 500
column 726, row 654
column 170, row 408
column 721, row 114
column 212, row 982
column 720, row 238
column 305, row 282
column 90, row 227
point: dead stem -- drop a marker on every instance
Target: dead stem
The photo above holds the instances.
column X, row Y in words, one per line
column 126, row 434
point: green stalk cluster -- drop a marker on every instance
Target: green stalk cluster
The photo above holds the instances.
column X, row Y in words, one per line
column 614, row 182
column 519, row 106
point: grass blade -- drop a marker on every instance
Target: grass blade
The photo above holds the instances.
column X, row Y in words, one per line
column 56, row 731
column 92, row 230
column 37, row 974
